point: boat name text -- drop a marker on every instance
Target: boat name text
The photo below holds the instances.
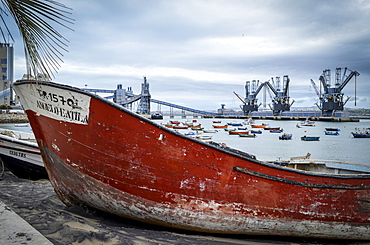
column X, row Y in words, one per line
column 67, row 114
column 57, row 98
column 18, row 154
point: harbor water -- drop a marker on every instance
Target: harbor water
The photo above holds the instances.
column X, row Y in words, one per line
column 268, row 147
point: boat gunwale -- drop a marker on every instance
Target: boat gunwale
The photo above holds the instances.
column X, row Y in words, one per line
column 18, row 141
column 121, row 108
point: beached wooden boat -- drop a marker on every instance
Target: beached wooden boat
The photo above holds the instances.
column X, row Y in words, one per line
column 99, row 154
column 20, row 155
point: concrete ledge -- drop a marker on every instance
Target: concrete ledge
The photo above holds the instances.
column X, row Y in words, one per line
column 15, row 230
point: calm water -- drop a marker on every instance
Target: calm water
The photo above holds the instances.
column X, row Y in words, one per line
column 267, row 146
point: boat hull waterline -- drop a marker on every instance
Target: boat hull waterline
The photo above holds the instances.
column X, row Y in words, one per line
column 127, row 165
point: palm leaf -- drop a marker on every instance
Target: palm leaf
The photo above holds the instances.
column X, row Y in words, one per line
column 43, row 44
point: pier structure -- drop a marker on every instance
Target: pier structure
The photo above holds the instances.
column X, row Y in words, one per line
column 126, row 98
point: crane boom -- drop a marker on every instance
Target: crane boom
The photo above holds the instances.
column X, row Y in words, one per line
column 315, row 88
column 286, row 85
column 240, row 98
column 259, row 88
column 353, row 73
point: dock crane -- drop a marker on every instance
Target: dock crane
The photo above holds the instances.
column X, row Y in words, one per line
column 332, row 98
column 280, row 101
column 250, row 103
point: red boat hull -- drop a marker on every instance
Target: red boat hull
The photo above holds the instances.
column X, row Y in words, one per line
column 114, row 160
column 238, row 132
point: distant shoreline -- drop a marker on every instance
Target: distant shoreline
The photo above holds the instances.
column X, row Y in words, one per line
column 13, row 118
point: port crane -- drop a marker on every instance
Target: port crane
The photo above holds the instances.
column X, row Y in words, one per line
column 280, row 98
column 332, row 98
column 250, row 103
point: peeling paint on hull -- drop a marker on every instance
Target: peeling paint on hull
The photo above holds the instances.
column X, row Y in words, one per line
column 103, row 156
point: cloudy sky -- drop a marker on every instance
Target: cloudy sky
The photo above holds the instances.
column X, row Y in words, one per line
column 197, row 52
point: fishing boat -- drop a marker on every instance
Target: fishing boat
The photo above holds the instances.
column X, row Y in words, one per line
column 235, row 124
column 219, row 126
column 308, row 123
column 332, row 129
column 156, row 116
column 175, row 122
column 237, row 132
column 247, row 135
column 180, row 127
column 331, row 132
column 259, row 125
column 271, row 128
column 210, row 130
column 21, row 155
column 256, row 131
column 361, row 134
column 310, row 138
column 99, row 154
column 285, row 136
column 276, row 131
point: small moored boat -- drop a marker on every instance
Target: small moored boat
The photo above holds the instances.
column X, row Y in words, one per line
column 332, row 129
column 247, row 135
column 219, row 126
column 331, row 132
column 156, row 116
column 276, row 131
column 256, row 131
column 310, row 138
column 308, row 123
column 235, row 124
column 236, row 132
column 180, row 127
column 361, row 133
column 285, row 136
column 259, row 125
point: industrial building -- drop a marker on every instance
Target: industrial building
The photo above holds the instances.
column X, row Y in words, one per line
column 6, row 73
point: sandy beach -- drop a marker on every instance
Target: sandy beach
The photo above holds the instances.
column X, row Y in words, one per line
column 37, row 203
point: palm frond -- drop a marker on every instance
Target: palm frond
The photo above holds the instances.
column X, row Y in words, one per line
column 44, row 45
